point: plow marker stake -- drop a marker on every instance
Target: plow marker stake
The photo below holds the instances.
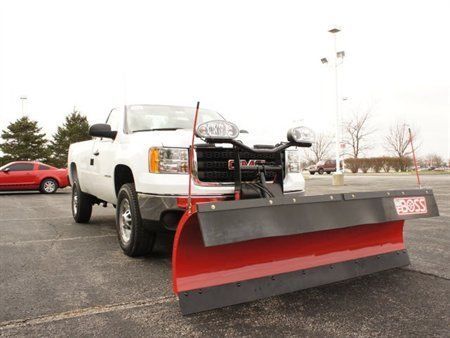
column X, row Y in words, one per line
column 236, row 251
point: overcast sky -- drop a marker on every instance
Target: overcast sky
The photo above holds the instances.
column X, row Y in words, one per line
column 256, row 62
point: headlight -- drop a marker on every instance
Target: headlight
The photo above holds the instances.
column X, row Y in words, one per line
column 168, row 160
column 301, row 135
column 218, row 130
column 293, row 161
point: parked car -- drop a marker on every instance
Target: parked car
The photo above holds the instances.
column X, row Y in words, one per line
column 30, row 175
column 321, row 167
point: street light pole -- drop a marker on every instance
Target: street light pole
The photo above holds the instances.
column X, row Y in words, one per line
column 338, row 176
column 23, row 99
column 334, row 31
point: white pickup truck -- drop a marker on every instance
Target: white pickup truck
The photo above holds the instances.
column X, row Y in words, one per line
column 138, row 161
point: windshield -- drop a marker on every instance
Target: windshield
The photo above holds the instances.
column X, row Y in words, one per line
column 4, row 167
column 147, row 117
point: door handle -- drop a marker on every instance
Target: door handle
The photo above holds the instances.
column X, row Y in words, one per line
column 96, row 153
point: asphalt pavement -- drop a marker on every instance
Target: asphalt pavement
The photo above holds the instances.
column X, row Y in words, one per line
column 59, row 278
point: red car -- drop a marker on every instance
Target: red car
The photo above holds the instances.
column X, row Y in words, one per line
column 26, row 175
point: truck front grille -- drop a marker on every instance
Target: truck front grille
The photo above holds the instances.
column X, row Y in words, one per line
column 213, row 164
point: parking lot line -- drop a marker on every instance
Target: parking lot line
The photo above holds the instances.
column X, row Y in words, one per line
column 55, row 240
column 33, row 219
column 94, row 310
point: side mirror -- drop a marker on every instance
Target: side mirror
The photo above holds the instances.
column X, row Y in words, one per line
column 6, row 170
column 102, row 130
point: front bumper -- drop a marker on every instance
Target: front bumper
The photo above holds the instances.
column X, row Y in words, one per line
column 154, row 207
column 163, row 212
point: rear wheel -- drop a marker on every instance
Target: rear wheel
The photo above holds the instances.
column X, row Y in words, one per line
column 328, row 172
column 312, row 172
column 81, row 204
column 48, row 186
column 320, row 171
column 133, row 238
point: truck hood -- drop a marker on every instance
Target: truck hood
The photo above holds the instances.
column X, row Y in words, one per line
column 182, row 138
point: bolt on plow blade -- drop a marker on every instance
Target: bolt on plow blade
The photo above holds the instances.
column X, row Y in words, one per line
column 233, row 252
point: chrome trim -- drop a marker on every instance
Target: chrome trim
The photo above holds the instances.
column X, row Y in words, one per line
column 151, row 207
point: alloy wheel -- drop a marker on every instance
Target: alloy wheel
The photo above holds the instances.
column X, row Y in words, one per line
column 125, row 221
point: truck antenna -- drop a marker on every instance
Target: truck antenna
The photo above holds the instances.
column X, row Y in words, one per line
column 191, row 157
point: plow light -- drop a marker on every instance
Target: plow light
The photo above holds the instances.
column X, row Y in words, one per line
column 300, row 135
column 217, row 130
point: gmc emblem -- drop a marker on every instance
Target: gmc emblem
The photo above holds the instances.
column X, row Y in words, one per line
column 410, row 205
column 250, row 163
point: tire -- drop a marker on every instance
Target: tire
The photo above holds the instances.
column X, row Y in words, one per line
column 328, row 172
column 312, row 172
column 48, row 186
column 133, row 238
column 320, row 171
column 81, row 204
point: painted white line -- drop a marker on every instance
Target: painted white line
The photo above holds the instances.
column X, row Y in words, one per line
column 94, row 310
column 54, row 240
column 34, row 219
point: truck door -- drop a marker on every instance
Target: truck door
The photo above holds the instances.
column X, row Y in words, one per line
column 103, row 153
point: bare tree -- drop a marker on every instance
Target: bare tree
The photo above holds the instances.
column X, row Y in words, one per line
column 397, row 140
column 320, row 150
column 434, row 160
column 358, row 131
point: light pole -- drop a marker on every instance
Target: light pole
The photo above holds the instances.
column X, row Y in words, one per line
column 23, row 99
column 338, row 176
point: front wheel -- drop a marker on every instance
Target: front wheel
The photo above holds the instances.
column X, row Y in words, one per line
column 320, row 171
column 133, row 238
column 81, row 204
column 48, row 186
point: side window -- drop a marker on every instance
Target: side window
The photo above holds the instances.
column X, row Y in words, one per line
column 113, row 119
column 43, row 167
column 21, row 167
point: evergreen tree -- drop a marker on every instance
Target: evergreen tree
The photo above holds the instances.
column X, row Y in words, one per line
column 24, row 141
column 74, row 129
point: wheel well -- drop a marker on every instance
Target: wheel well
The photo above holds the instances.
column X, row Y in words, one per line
column 122, row 175
column 73, row 171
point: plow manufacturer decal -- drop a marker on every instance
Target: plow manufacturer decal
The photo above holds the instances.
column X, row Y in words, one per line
column 410, row 205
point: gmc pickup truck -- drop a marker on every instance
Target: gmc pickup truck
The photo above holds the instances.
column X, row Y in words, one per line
column 138, row 162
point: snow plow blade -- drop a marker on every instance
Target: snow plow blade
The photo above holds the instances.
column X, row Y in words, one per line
column 231, row 252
